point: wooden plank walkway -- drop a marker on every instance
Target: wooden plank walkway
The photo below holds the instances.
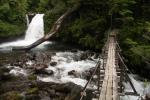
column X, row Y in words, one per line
column 110, row 84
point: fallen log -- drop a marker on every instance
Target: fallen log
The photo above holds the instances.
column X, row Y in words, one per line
column 55, row 28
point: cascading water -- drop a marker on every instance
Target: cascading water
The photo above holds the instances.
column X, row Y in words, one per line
column 27, row 18
column 36, row 28
column 34, row 32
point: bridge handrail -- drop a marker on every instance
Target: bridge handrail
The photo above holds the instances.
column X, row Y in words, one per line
column 84, row 89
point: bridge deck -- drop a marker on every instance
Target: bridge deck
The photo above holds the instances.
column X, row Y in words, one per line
column 110, row 84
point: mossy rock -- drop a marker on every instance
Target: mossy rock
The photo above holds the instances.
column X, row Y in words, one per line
column 13, row 95
column 32, row 77
column 32, row 91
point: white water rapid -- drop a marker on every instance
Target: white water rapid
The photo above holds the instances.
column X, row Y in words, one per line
column 66, row 62
column 141, row 87
column 34, row 32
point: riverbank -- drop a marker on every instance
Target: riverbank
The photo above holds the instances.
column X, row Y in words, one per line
column 44, row 74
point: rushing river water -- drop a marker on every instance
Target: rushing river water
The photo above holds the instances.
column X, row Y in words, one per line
column 66, row 60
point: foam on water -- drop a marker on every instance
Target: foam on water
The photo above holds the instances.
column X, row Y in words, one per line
column 65, row 63
column 18, row 71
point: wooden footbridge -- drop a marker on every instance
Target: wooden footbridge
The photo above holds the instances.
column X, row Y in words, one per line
column 111, row 72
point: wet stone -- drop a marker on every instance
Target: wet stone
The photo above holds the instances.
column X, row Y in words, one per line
column 53, row 63
column 45, row 72
column 147, row 96
column 40, row 66
column 46, row 98
column 74, row 50
column 86, row 55
column 74, row 73
column 51, row 92
column 5, row 76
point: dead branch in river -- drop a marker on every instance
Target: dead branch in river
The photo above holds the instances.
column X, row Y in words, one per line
column 55, row 28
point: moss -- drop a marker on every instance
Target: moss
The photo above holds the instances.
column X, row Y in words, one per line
column 32, row 90
column 13, row 95
column 32, row 77
column 7, row 29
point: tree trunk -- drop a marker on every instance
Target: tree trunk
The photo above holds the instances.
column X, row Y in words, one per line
column 55, row 28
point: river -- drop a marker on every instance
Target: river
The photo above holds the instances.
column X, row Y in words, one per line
column 66, row 63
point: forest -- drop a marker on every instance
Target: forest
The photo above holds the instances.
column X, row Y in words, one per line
column 76, row 57
column 88, row 25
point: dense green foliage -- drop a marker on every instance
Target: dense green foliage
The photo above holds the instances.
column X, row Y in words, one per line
column 12, row 20
column 88, row 25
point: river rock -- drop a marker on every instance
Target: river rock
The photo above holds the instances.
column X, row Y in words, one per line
column 4, row 74
column 147, row 96
column 49, row 72
column 46, row 98
column 86, row 55
column 87, row 74
column 45, row 72
column 31, row 56
column 38, row 70
column 74, row 50
column 83, row 56
column 42, row 57
column 53, row 63
column 75, row 93
column 51, row 92
column 32, row 97
column 74, row 73
column 12, row 95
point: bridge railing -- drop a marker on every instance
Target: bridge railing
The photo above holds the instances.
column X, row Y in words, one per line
column 122, row 69
column 124, row 77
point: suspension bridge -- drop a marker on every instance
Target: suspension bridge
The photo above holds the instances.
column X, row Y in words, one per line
column 111, row 72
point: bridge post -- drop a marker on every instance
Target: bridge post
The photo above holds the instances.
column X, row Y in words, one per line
column 98, row 74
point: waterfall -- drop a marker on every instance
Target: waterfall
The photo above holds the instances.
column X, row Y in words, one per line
column 27, row 18
column 34, row 32
column 36, row 28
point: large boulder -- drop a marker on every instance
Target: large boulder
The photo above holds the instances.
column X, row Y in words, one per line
column 76, row 91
